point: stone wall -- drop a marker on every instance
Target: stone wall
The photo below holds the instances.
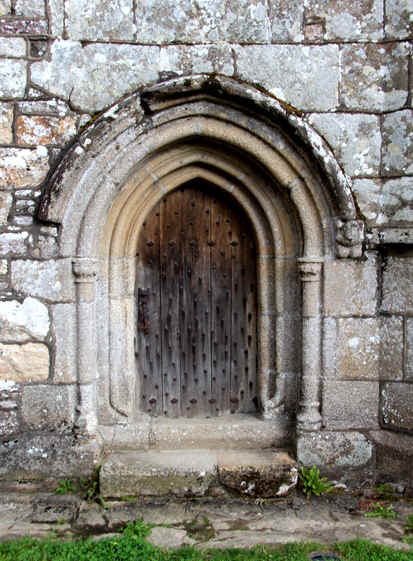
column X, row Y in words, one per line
column 344, row 67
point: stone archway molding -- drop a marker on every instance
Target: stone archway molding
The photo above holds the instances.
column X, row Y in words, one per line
column 241, row 140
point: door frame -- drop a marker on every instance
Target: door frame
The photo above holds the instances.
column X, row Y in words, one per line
column 244, row 141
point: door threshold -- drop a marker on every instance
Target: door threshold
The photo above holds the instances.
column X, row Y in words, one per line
column 229, row 432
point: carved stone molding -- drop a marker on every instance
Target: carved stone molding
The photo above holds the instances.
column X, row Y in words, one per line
column 85, row 272
column 309, row 416
column 350, row 236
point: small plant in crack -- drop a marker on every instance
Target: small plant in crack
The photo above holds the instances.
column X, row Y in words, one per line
column 408, row 524
column 66, row 487
column 382, row 511
column 87, row 488
column 312, row 483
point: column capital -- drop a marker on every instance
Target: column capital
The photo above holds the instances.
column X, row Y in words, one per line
column 310, row 268
column 84, row 269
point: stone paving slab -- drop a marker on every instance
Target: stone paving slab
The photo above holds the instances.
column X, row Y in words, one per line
column 208, row 523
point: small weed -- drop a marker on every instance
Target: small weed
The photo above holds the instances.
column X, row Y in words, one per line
column 382, row 511
column 312, row 483
column 384, row 489
column 65, row 487
column 88, row 489
column 408, row 524
column 406, row 539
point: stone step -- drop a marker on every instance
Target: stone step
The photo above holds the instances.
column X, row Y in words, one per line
column 195, row 473
column 240, row 431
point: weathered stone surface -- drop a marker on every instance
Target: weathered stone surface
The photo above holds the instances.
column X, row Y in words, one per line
column 180, row 473
column 47, row 246
column 398, row 285
column 352, row 404
column 391, row 348
column 9, row 404
column 24, row 363
column 374, row 76
column 56, row 19
column 38, row 48
column 258, row 473
column 22, row 322
column 9, row 390
column 398, row 21
column 398, row 143
column 22, row 167
column 100, row 74
column 396, row 404
column 397, row 201
column 5, row 205
column 49, row 456
column 355, row 139
column 199, row 59
column 92, row 518
column 20, row 26
column 206, row 22
column 9, row 423
column 13, row 243
column 52, row 509
column 25, row 206
column 23, row 220
column 95, row 20
column 314, row 68
column 52, row 107
column 3, row 267
column 13, row 78
column 64, row 328
column 347, row 21
column 286, row 17
column 350, row 287
column 35, row 130
column 47, row 407
column 6, row 122
column 334, row 449
column 169, row 538
column 358, row 348
column 368, row 194
column 235, row 431
column 388, row 202
column 12, row 47
column 5, row 7
column 52, row 280
column 34, row 8
column 394, row 455
column 409, row 351
column 363, row 348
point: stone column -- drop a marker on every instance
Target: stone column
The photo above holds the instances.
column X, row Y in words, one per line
column 85, row 270
column 309, row 417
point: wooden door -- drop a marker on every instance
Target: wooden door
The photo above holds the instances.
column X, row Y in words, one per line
column 196, row 306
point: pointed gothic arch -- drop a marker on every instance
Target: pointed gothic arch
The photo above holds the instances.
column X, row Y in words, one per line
column 264, row 156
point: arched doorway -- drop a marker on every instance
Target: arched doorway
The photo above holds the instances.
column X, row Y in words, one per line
column 196, row 299
column 281, row 173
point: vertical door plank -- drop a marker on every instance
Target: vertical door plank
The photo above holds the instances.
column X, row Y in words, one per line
column 250, row 344
column 195, row 368
column 244, row 341
column 147, row 298
column 172, row 311
column 220, row 305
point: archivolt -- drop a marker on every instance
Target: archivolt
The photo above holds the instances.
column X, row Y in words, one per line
column 239, row 140
column 226, row 114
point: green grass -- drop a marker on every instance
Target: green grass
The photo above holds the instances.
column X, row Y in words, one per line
column 131, row 545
